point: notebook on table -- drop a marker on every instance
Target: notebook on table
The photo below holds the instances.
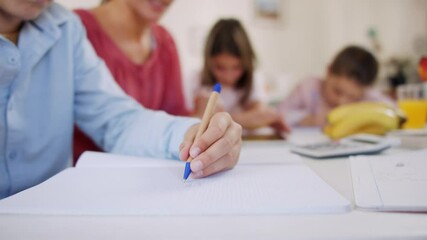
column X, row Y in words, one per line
column 391, row 182
column 93, row 188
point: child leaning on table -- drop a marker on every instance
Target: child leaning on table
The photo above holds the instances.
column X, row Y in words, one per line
column 229, row 59
column 349, row 78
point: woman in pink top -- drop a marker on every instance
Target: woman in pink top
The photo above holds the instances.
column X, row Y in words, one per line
column 349, row 79
column 140, row 54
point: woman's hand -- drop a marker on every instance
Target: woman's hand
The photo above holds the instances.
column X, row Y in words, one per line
column 217, row 149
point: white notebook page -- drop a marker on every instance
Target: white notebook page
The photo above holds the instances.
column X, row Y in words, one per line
column 245, row 190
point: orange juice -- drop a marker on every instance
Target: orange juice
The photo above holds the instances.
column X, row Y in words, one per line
column 416, row 112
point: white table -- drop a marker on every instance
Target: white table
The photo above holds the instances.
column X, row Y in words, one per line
column 353, row 225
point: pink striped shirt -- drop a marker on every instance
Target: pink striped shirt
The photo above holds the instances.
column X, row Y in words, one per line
column 306, row 99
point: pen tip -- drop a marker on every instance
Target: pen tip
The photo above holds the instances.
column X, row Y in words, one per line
column 187, row 171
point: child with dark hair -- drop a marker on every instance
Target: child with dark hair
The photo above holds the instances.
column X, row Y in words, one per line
column 349, row 79
column 229, row 59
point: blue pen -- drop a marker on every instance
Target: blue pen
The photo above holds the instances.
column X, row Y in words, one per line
column 207, row 115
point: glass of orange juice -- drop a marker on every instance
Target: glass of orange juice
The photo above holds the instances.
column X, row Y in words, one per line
column 412, row 103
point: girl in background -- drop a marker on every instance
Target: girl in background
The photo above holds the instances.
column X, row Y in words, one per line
column 229, row 59
column 349, row 79
column 140, row 54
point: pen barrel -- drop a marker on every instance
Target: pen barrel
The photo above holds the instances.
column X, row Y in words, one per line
column 207, row 115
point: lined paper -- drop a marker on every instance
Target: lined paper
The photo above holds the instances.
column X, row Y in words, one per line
column 245, row 190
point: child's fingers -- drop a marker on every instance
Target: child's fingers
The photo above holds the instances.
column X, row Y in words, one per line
column 284, row 126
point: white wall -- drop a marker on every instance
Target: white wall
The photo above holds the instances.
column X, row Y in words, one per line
column 312, row 31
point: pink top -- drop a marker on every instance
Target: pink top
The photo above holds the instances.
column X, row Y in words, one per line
column 306, row 99
column 156, row 84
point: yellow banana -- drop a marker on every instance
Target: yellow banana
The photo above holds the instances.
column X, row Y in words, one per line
column 373, row 129
column 341, row 112
column 363, row 117
column 374, row 119
column 327, row 130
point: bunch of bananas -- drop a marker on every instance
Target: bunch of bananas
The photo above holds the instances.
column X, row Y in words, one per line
column 364, row 117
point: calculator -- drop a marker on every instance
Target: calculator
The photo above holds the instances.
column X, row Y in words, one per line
column 352, row 145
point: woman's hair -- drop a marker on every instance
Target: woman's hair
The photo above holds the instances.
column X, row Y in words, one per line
column 355, row 63
column 228, row 36
column 104, row 1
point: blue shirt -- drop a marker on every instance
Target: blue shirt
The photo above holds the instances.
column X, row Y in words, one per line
column 53, row 79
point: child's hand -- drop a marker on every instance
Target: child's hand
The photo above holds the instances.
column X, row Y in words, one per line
column 268, row 116
column 260, row 115
column 274, row 119
column 280, row 126
column 217, row 149
column 317, row 120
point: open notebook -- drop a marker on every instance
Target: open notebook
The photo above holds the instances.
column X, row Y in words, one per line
column 391, row 182
column 133, row 186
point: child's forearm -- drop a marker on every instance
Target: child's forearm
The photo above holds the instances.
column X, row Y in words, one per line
column 248, row 120
column 256, row 116
column 312, row 121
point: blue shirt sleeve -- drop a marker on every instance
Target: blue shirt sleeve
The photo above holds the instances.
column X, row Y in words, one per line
column 52, row 79
column 112, row 119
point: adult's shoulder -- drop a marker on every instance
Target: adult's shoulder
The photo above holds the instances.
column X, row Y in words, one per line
column 94, row 31
column 162, row 35
column 87, row 18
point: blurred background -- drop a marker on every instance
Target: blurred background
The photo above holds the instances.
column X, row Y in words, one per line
column 296, row 39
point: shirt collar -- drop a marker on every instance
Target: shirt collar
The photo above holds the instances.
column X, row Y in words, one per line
column 39, row 35
column 49, row 21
